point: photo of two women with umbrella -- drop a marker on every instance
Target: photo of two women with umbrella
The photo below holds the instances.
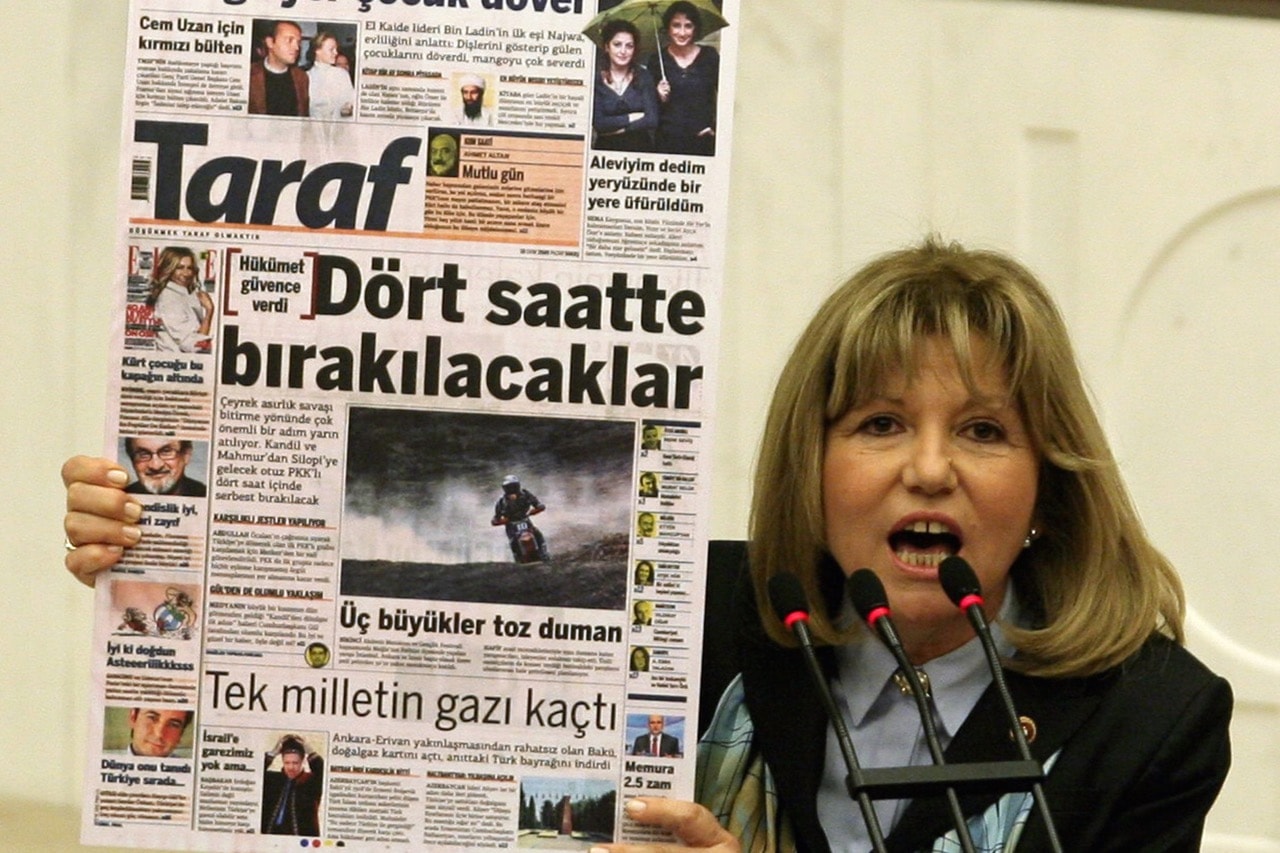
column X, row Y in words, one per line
column 658, row 80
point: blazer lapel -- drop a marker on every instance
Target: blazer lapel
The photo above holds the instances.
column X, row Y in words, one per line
column 791, row 734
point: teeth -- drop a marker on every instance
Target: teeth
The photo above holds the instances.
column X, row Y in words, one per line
column 927, row 527
column 929, row 560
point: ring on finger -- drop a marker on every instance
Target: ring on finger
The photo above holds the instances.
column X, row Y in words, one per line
column 67, row 543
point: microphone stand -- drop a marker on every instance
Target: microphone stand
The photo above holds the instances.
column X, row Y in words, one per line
column 879, row 620
column 961, row 585
column 787, row 598
column 895, row 783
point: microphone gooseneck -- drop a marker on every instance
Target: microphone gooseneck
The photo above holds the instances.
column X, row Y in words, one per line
column 960, row 582
column 867, row 594
column 787, row 598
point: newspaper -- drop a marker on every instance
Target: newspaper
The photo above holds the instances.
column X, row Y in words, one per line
column 413, row 367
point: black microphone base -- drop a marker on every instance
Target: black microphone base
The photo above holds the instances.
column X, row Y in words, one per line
column 899, row 783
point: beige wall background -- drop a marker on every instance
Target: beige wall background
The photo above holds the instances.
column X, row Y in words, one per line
column 1131, row 156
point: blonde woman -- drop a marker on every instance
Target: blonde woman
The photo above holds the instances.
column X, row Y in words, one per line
column 332, row 94
column 184, row 310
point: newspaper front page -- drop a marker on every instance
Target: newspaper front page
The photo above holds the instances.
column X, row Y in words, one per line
column 413, row 368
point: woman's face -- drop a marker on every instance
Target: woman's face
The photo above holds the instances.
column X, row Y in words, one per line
column 923, row 470
column 681, row 30
column 327, row 51
column 621, row 49
column 185, row 272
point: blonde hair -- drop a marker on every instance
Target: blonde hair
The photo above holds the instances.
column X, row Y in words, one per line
column 170, row 257
column 1094, row 582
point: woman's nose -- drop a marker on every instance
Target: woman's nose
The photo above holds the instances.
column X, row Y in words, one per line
column 929, row 467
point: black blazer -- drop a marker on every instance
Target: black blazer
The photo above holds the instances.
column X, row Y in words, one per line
column 1144, row 747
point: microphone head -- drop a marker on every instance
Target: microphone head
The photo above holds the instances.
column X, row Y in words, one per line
column 867, row 594
column 788, row 598
column 960, row 581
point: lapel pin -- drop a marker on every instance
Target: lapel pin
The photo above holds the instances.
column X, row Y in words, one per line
column 1028, row 729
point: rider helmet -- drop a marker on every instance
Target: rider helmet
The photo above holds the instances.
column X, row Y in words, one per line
column 511, row 484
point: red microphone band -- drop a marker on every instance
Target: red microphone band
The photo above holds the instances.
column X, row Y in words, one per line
column 970, row 600
column 795, row 616
column 876, row 615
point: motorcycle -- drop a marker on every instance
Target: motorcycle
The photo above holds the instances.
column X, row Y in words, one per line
column 524, row 543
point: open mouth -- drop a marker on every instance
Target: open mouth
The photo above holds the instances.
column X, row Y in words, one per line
column 924, row 543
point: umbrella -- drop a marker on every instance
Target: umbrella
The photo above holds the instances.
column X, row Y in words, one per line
column 647, row 17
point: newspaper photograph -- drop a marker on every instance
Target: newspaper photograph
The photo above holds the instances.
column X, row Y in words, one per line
column 416, row 331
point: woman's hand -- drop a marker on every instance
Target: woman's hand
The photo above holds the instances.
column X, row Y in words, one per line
column 101, row 519
column 689, row 822
column 206, row 308
column 664, row 90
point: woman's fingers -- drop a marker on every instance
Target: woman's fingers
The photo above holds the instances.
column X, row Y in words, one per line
column 101, row 518
column 87, row 561
column 691, row 823
column 93, row 470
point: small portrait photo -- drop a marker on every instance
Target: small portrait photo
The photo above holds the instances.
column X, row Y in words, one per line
column 170, row 305
column 442, row 154
column 646, row 525
column 149, row 731
column 651, row 437
column 293, row 784
column 657, row 77
column 165, row 465
column 639, row 659
column 317, row 655
column 655, row 735
column 329, row 60
column 643, row 574
column 473, row 100
column 641, row 612
column 649, row 484
column 302, row 69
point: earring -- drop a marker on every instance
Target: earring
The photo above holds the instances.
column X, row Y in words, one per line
column 1031, row 537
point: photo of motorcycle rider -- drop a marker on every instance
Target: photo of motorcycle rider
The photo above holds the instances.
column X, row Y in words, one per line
column 516, row 505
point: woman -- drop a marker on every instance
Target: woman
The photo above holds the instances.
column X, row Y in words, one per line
column 332, row 94
column 625, row 110
column 688, row 76
column 933, row 407
column 184, row 310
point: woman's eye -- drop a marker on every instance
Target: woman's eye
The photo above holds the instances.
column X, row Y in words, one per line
column 985, row 431
column 879, row 425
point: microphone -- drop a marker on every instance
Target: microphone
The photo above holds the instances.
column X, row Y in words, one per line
column 789, row 603
column 868, row 596
column 960, row 582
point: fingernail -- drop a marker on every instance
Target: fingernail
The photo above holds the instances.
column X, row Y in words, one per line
column 634, row 807
column 133, row 534
column 132, row 511
column 117, row 477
